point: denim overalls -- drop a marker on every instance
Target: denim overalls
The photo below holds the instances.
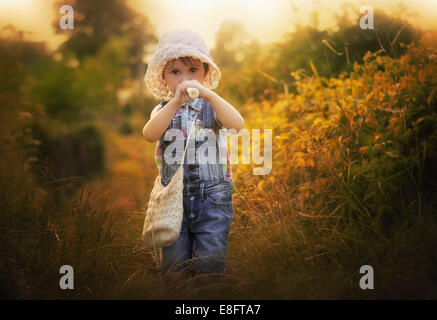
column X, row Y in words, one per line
column 207, row 202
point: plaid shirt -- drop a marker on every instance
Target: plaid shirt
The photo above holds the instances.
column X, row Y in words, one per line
column 197, row 105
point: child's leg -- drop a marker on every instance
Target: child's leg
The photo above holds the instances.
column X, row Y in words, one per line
column 211, row 229
column 175, row 257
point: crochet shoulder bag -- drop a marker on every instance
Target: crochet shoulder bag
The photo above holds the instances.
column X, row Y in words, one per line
column 165, row 210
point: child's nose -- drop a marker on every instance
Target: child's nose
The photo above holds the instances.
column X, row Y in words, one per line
column 186, row 76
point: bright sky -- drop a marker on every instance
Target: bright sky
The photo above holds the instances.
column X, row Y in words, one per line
column 266, row 20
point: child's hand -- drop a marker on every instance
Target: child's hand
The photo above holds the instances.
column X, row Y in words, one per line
column 181, row 94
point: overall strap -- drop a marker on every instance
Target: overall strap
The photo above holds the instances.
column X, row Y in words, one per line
column 188, row 137
column 208, row 116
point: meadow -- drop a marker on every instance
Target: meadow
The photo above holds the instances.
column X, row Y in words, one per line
column 353, row 181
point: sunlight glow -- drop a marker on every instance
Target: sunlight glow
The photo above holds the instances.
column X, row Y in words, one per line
column 256, row 4
column 202, row 5
column 193, row 5
column 15, row 3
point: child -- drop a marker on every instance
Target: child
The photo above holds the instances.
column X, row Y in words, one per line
column 182, row 61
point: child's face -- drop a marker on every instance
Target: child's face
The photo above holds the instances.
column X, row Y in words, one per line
column 176, row 71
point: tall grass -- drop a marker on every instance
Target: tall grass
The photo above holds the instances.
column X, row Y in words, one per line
column 99, row 240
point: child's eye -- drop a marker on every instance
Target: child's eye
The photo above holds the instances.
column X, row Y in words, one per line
column 193, row 69
column 175, row 71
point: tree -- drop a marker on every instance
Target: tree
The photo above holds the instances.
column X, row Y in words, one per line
column 230, row 40
column 97, row 21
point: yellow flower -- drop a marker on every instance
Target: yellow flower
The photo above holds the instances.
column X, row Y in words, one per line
column 310, row 162
column 300, row 162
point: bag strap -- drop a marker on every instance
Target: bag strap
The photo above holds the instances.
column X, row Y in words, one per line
column 158, row 251
column 189, row 135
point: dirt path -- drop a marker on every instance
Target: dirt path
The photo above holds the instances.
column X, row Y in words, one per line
column 130, row 164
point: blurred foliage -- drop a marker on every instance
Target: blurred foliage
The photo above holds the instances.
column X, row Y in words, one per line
column 69, row 155
column 261, row 71
column 229, row 40
column 106, row 42
column 59, row 94
column 96, row 22
column 126, row 128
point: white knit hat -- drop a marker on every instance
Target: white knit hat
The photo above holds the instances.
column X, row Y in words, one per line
column 176, row 44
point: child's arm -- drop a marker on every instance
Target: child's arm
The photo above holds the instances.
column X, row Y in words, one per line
column 226, row 114
column 159, row 120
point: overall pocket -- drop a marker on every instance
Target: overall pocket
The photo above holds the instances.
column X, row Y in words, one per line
column 220, row 195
